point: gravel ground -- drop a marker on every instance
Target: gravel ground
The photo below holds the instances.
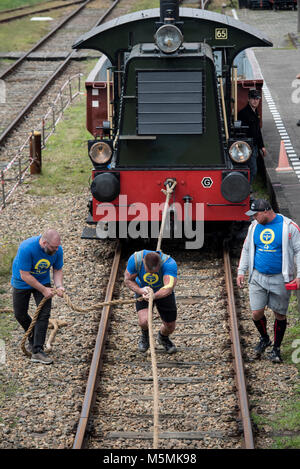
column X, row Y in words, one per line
column 39, row 410
column 271, row 386
column 195, row 384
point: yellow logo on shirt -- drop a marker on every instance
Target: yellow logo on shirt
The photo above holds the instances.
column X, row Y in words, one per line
column 267, row 236
column 151, row 279
column 42, row 266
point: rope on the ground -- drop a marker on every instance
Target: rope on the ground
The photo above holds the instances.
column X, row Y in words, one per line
column 154, row 374
column 57, row 323
column 170, row 186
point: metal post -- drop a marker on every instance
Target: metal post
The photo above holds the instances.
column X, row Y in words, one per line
column 35, row 153
column 53, row 117
column 20, row 167
column 70, row 89
column 61, row 102
column 298, row 24
column 43, row 132
column 3, row 188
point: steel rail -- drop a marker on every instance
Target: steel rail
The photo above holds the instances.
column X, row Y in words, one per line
column 24, row 7
column 96, row 364
column 237, row 354
column 7, row 19
column 44, row 39
column 39, row 93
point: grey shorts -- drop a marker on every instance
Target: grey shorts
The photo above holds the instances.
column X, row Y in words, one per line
column 268, row 290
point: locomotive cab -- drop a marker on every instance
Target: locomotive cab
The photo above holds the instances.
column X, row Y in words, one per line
column 170, row 102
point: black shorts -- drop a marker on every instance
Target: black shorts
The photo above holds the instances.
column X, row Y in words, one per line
column 166, row 307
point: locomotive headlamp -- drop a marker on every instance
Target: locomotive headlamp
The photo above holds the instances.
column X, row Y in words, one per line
column 100, row 153
column 168, row 38
column 240, row 152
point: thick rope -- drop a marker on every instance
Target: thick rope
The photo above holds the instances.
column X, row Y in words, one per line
column 168, row 192
column 56, row 324
column 154, row 374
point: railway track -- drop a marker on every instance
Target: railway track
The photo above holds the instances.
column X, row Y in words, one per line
column 34, row 82
column 21, row 12
column 28, row 78
column 197, row 385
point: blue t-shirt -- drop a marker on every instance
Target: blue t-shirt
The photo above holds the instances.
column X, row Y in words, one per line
column 32, row 258
column 268, row 247
column 155, row 280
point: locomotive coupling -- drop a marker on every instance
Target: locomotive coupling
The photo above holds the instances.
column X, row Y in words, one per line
column 170, row 182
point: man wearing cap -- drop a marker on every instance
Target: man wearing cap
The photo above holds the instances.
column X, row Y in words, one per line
column 271, row 255
column 249, row 117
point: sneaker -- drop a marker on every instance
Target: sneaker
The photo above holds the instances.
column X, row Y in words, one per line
column 274, row 355
column 41, row 357
column 262, row 345
column 144, row 342
column 166, row 343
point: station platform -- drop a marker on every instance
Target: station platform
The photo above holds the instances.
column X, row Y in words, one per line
column 279, row 66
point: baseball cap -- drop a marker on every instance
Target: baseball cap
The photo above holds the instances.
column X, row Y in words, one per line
column 259, row 205
column 254, row 94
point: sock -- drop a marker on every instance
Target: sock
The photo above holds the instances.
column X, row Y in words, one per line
column 279, row 330
column 145, row 333
column 261, row 326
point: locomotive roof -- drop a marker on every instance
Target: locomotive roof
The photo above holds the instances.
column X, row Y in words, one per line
column 199, row 26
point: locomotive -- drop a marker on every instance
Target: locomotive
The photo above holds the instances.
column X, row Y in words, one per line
column 162, row 107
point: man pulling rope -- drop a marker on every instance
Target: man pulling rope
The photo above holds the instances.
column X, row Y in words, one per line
column 31, row 276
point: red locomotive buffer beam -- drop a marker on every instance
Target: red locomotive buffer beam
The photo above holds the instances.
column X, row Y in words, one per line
column 141, row 195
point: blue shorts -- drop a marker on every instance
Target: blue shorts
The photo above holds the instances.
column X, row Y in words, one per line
column 268, row 290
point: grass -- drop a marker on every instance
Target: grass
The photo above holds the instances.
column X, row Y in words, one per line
column 10, row 4
column 22, row 34
column 65, row 164
column 6, row 390
column 287, row 421
column 66, row 167
column 260, row 190
column 7, row 254
column 7, row 322
column 291, row 350
column 145, row 5
column 7, row 325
